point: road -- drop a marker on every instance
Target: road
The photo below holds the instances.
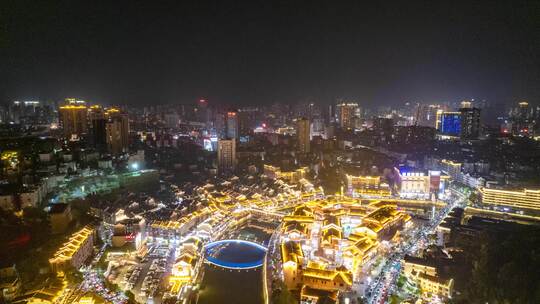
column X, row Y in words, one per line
column 386, row 280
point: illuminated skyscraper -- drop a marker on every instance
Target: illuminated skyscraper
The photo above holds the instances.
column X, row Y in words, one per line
column 522, row 119
column 303, row 135
column 202, row 111
column 226, row 155
column 470, row 121
column 74, row 118
column 117, row 129
column 232, row 124
column 346, row 113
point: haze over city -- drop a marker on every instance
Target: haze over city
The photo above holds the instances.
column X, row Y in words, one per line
column 259, row 52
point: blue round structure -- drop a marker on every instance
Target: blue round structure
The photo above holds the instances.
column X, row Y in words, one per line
column 235, row 254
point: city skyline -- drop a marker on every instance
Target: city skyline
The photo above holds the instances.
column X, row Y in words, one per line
column 260, row 53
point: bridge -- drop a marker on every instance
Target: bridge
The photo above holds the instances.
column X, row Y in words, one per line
column 235, row 265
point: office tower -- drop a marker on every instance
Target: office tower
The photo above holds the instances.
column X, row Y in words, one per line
column 232, row 124
column 73, row 118
column 226, row 155
column 522, row 119
column 448, row 122
column 303, row 134
column 470, row 121
column 98, row 128
column 202, row 111
column 117, row 129
column 346, row 113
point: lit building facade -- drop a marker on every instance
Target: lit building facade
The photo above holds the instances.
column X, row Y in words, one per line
column 366, row 186
column 425, row 273
column 470, row 121
column 422, row 185
column 346, row 113
column 453, row 169
column 326, row 244
column 524, row 199
column 291, row 176
column 74, row 118
column 74, row 252
column 303, row 135
column 226, row 155
column 449, row 123
column 117, row 130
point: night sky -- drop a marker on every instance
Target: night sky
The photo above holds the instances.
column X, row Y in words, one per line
column 258, row 52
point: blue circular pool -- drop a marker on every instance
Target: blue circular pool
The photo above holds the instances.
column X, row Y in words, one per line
column 235, row 254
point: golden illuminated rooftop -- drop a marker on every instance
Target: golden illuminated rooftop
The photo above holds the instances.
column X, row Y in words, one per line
column 73, row 107
column 316, row 294
column 362, row 246
column 329, row 275
column 72, row 246
column 295, row 226
column 451, row 163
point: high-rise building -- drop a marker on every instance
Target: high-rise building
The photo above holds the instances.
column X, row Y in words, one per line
column 470, row 121
column 248, row 120
column 30, row 112
column 74, row 118
column 226, row 155
column 303, row 134
column 448, row 122
column 522, row 119
column 232, row 124
column 98, row 128
column 346, row 113
column 117, row 129
column 202, row 111
column 427, row 114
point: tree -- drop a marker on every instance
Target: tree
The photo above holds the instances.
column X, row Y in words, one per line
column 502, row 264
column 474, row 198
column 131, row 297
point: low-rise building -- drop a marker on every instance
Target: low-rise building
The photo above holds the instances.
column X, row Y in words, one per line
column 425, row 272
column 366, row 186
column 292, row 176
column 75, row 251
column 422, row 185
column 518, row 199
